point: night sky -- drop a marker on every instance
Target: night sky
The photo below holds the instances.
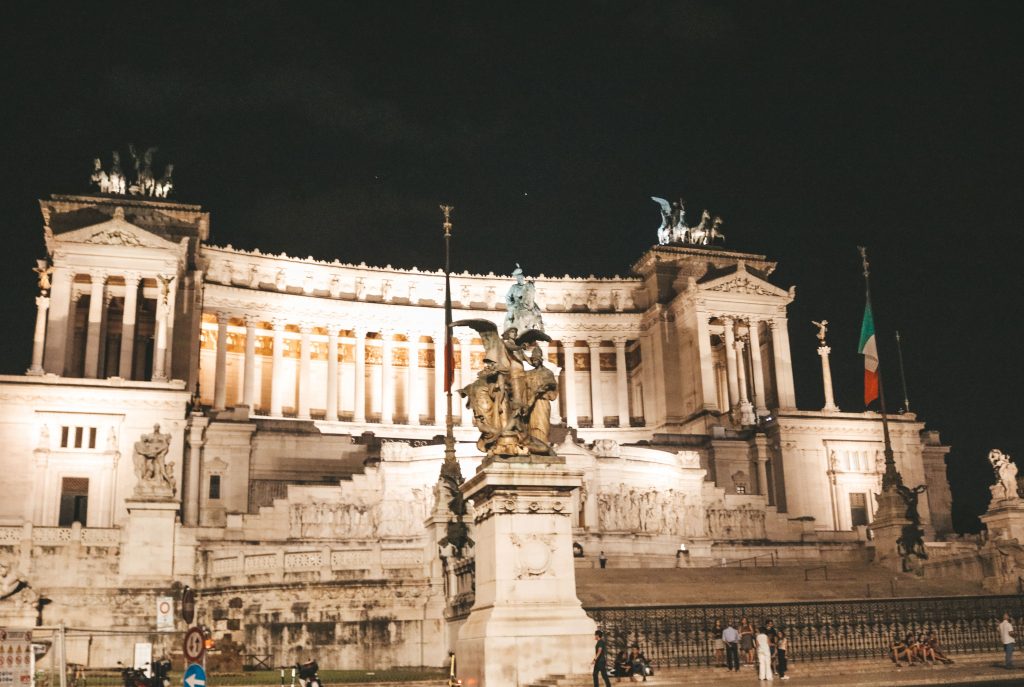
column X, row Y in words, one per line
column 335, row 129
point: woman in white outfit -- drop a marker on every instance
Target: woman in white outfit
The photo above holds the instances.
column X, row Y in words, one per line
column 764, row 655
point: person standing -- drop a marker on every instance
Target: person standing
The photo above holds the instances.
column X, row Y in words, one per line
column 600, row 659
column 747, row 641
column 1008, row 638
column 731, row 638
column 781, row 647
column 764, row 655
column 603, row 560
column 719, row 645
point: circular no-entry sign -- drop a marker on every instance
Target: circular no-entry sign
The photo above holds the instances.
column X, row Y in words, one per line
column 194, row 647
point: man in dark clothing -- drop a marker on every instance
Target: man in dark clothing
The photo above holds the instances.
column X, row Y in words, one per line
column 600, row 660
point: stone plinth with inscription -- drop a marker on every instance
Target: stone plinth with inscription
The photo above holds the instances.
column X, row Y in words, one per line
column 527, row 621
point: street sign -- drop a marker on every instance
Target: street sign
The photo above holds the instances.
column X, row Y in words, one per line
column 195, row 676
column 188, row 605
column 194, row 646
column 164, row 613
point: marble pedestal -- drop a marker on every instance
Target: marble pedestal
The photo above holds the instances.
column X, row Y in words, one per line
column 887, row 528
column 147, row 544
column 1005, row 519
column 526, row 622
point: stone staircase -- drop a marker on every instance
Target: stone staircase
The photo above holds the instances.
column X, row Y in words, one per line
column 723, row 585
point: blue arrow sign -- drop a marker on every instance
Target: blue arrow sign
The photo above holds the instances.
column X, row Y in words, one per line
column 195, row 676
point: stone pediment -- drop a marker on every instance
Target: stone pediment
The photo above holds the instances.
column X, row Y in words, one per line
column 116, row 231
column 743, row 281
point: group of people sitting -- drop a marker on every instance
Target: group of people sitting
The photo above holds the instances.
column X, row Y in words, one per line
column 633, row 665
column 917, row 649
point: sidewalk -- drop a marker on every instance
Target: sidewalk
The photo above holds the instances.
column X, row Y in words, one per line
column 968, row 669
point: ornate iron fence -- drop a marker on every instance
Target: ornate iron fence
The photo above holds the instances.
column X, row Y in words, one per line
column 680, row 636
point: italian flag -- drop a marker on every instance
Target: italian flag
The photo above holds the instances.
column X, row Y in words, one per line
column 869, row 349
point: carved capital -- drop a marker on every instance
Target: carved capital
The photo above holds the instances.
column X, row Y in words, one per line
column 594, row 342
column 98, row 277
column 251, row 321
column 278, row 324
column 620, row 341
column 131, row 280
column 222, row 319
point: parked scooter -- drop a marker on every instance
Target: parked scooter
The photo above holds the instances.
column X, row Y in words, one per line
column 308, row 674
column 134, row 677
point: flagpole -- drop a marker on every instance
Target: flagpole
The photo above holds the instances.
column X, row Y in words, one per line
column 903, row 376
column 449, row 436
column 891, row 479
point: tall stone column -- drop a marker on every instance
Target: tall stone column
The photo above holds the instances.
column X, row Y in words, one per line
column 277, row 371
column 193, row 474
column 131, row 307
column 730, row 362
column 466, row 375
column 746, row 411
column 440, row 397
column 412, row 392
column 359, row 393
column 160, row 342
column 39, row 336
column 826, row 378
column 621, row 380
column 60, row 322
column 761, row 444
column 331, row 412
column 758, row 369
column 305, row 358
column 571, row 414
column 596, row 407
column 220, row 379
column 249, row 366
column 172, row 295
column 387, row 400
column 97, row 298
column 709, row 394
column 783, row 363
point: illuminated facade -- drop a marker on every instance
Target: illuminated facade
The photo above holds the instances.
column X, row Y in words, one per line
column 303, row 407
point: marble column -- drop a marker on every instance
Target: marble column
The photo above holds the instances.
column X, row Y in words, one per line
column 826, row 378
column 331, row 406
column 220, row 379
column 730, row 361
column 387, row 399
column 758, row 369
column 249, row 365
column 193, row 473
column 783, row 364
column 571, row 415
column 596, row 405
column 39, row 336
column 172, row 295
column 131, row 307
column 440, row 397
column 305, row 358
column 97, row 298
column 61, row 321
column 621, row 380
column 465, row 356
column 359, row 393
column 709, row 395
column 277, row 379
column 160, row 339
column 412, row 392
column 556, row 406
column 745, row 410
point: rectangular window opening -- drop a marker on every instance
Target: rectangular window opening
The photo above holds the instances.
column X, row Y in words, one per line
column 214, row 487
column 858, row 509
column 74, row 501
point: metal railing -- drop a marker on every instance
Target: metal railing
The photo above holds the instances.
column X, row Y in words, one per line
column 739, row 562
column 682, row 636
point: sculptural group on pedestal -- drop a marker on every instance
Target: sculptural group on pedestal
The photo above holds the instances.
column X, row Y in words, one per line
column 511, row 396
column 673, row 229
column 1006, row 486
column 144, row 182
column 154, row 473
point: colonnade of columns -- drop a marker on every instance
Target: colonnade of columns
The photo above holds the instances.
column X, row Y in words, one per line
column 300, row 387
column 54, row 337
column 745, row 369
